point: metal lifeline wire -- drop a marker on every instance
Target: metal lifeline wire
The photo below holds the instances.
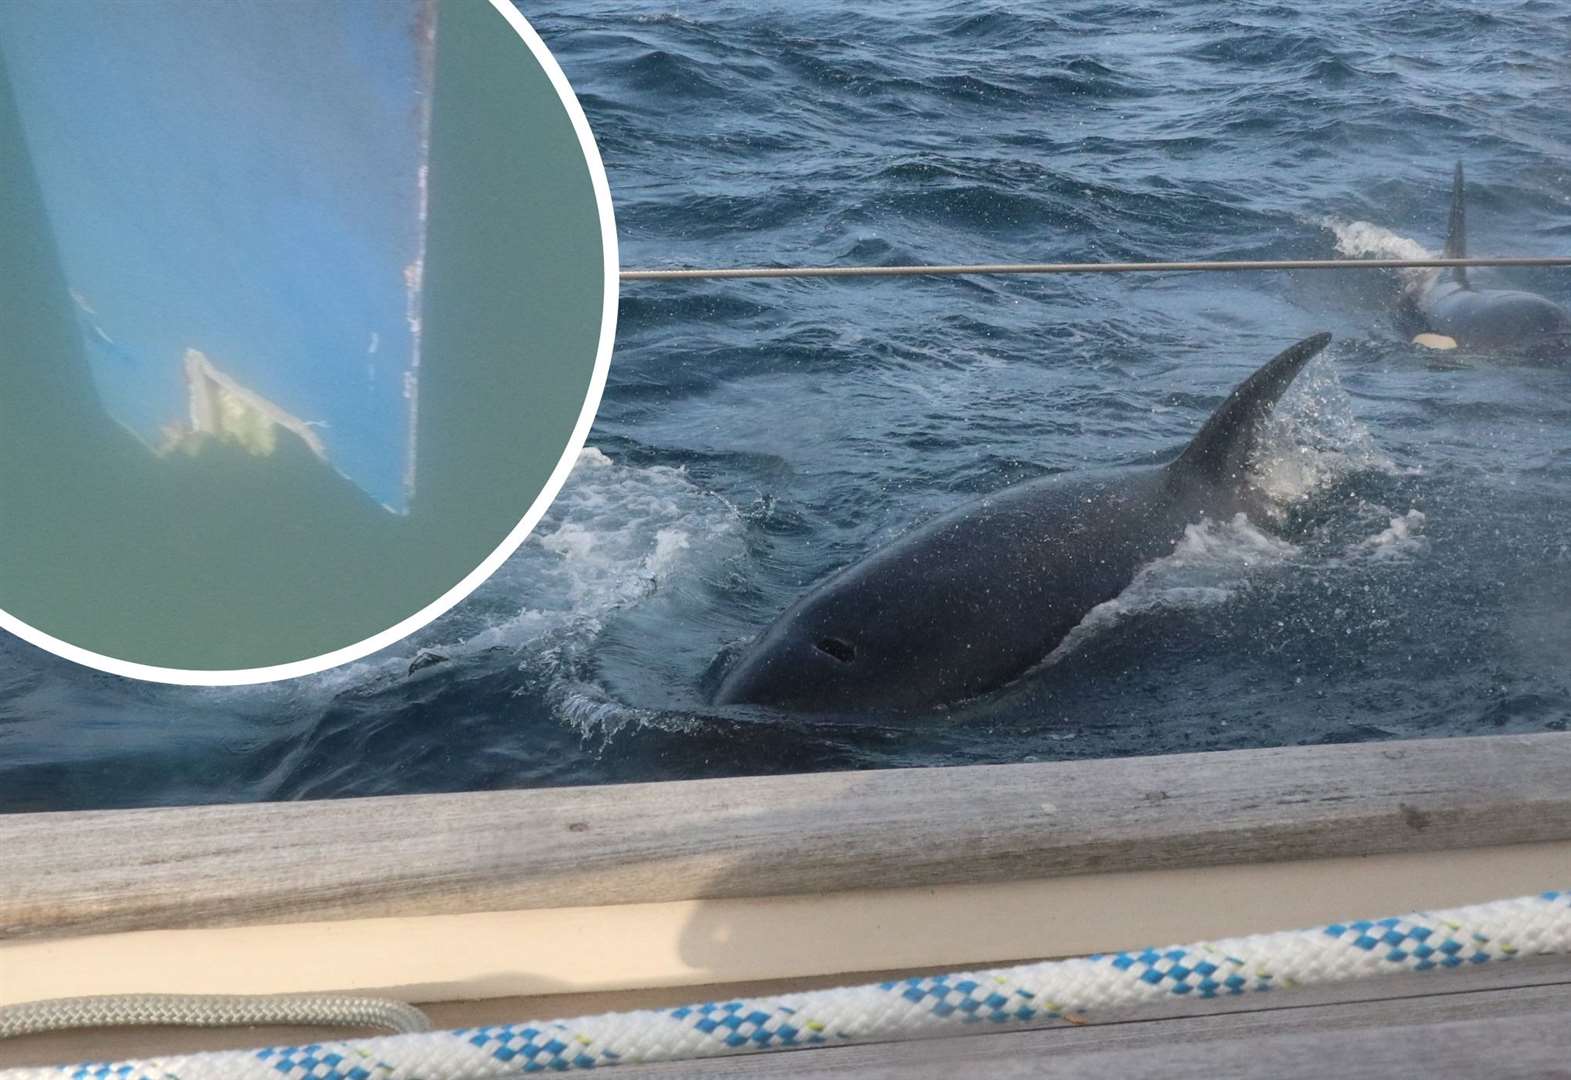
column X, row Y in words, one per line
column 1417, row 945
column 962, row 269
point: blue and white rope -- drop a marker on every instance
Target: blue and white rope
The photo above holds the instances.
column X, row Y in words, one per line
column 1067, row 990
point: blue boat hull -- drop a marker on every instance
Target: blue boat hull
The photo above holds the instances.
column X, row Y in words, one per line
column 237, row 193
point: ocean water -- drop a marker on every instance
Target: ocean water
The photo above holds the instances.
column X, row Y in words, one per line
column 1413, row 581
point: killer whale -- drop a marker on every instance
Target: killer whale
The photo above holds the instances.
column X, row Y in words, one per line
column 1445, row 302
column 974, row 598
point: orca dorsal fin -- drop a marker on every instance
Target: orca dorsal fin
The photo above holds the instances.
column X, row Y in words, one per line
column 1456, row 229
column 1220, row 452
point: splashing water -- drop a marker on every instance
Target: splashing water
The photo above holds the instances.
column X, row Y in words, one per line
column 1366, row 240
column 615, row 535
column 1402, row 539
column 1313, row 439
column 1210, row 566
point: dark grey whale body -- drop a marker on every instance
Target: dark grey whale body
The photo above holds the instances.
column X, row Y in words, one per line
column 1444, row 301
column 974, row 598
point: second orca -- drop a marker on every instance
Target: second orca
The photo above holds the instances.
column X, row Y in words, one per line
column 1448, row 310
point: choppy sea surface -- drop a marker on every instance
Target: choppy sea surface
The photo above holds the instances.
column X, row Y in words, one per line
column 754, row 436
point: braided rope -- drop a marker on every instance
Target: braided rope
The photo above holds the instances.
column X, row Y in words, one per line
column 209, row 1010
column 1067, row 990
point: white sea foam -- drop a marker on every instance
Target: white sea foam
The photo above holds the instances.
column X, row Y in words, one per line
column 615, row 535
column 1403, row 539
column 1209, row 566
column 1366, row 240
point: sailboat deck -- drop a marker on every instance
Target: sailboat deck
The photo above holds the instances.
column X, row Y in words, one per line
column 499, row 907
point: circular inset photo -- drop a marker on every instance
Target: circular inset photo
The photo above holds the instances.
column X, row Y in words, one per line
column 308, row 309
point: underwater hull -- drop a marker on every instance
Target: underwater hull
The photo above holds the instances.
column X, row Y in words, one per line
column 237, row 195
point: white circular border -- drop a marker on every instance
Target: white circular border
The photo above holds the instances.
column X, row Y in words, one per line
column 472, row 581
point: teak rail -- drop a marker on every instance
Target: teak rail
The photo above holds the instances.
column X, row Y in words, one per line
column 64, row 874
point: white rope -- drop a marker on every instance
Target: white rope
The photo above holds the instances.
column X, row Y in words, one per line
column 1070, row 991
column 1215, row 266
column 210, row 1010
